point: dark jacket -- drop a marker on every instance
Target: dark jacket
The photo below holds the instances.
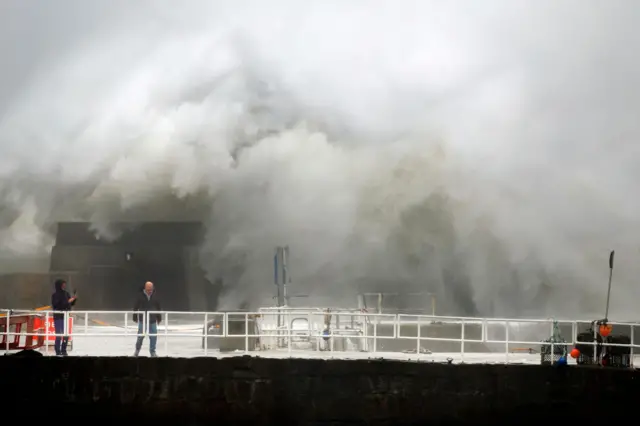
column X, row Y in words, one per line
column 146, row 304
column 60, row 300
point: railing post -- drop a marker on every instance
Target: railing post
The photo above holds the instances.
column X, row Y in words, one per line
column 418, row 333
column 145, row 324
column 225, row 319
column 290, row 334
column 462, row 338
column 375, row 334
column 6, row 330
column 396, row 321
column 206, row 332
column 246, row 332
column 331, row 340
column 595, row 345
column 314, row 343
column 553, row 351
column 46, row 331
column 632, row 344
column 506, row 345
column 166, row 332
column 65, row 323
column 365, row 332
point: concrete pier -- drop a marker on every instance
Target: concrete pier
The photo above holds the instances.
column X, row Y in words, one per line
column 261, row 391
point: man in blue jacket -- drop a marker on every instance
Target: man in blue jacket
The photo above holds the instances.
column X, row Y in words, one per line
column 61, row 301
column 147, row 301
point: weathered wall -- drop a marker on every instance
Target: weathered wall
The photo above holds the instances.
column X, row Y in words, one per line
column 258, row 391
column 106, row 279
column 159, row 252
column 25, row 291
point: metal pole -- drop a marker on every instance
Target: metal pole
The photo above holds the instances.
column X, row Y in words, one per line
column 281, row 268
column 606, row 312
column 275, row 267
column 275, row 276
column 285, row 275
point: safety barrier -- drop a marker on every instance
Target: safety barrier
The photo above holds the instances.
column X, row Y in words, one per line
column 318, row 333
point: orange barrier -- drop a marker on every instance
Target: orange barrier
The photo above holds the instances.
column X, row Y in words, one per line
column 39, row 327
column 29, row 332
column 18, row 324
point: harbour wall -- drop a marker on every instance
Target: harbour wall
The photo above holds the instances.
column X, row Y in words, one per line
column 262, row 391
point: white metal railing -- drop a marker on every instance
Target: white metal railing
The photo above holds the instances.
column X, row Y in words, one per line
column 315, row 331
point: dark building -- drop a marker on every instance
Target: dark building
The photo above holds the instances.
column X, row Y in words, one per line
column 108, row 273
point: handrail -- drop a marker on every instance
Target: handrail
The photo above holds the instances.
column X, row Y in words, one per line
column 369, row 332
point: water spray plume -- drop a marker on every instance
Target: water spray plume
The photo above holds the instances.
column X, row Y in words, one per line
column 482, row 151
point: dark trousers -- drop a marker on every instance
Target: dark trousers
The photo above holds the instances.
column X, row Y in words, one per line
column 61, row 342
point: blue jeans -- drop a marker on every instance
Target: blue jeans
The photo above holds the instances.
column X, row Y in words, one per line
column 153, row 329
column 61, row 342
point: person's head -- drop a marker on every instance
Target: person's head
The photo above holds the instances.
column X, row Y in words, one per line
column 60, row 285
column 148, row 287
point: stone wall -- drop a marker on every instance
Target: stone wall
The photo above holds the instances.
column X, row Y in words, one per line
column 261, row 391
column 25, row 291
column 106, row 278
column 109, row 273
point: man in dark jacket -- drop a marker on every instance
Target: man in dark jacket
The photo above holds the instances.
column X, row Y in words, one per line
column 61, row 301
column 147, row 302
